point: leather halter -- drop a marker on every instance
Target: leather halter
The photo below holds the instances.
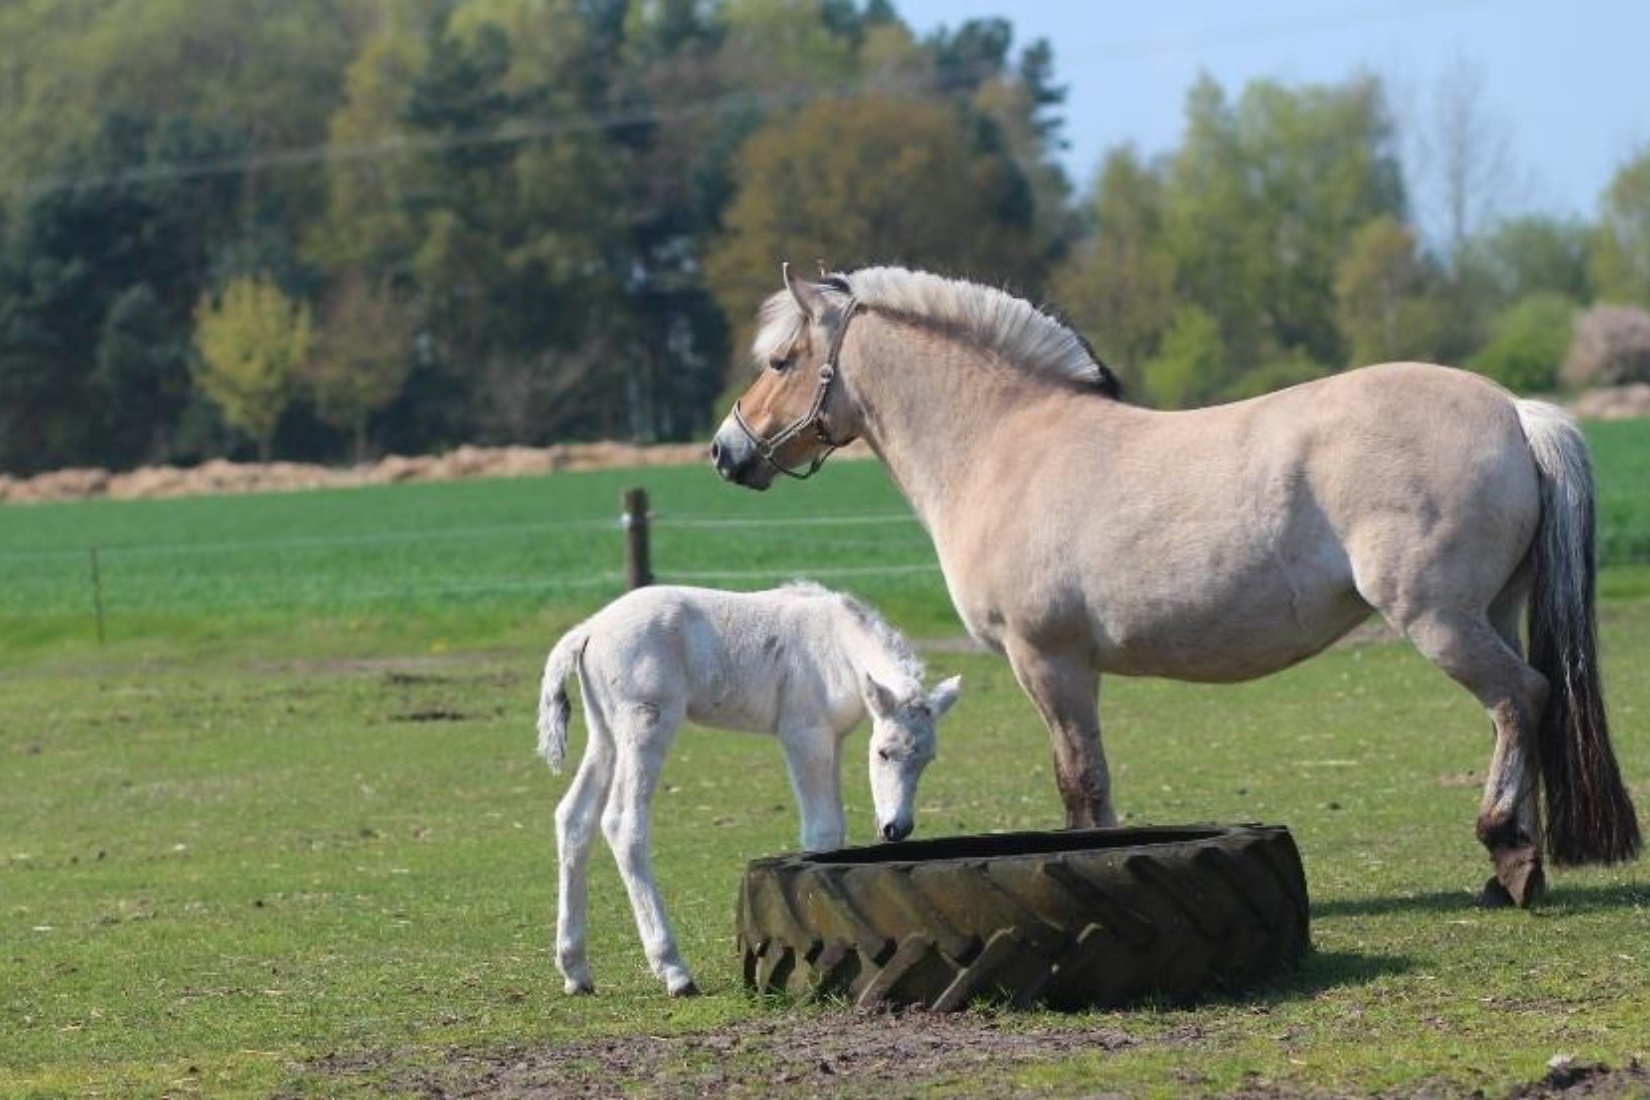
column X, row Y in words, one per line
column 815, row 416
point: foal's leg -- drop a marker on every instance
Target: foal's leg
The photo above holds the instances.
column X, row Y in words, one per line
column 576, row 821
column 1066, row 691
column 814, row 760
column 643, row 737
column 1485, row 659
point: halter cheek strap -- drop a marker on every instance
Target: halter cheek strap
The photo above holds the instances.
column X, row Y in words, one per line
column 814, row 418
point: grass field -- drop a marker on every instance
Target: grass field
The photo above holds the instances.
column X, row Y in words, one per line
column 473, row 557
column 283, row 833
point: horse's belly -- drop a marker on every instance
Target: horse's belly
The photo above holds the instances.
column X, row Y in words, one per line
column 749, row 711
column 1224, row 648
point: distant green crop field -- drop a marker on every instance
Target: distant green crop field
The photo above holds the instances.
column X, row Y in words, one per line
column 481, row 556
column 1621, row 458
column 479, row 552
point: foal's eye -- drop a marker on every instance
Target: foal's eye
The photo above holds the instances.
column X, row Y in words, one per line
column 882, row 754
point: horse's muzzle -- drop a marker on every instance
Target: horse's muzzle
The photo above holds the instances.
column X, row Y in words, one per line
column 896, row 830
column 736, row 460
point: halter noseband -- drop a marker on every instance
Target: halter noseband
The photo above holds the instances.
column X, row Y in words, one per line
column 815, row 416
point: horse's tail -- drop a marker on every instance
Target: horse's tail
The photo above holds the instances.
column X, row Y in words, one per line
column 1589, row 814
column 553, row 706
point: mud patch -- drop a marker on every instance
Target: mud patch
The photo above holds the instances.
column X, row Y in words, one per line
column 431, row 714
column 837, row 1053
column 1566, row 1079
column 845, row 1053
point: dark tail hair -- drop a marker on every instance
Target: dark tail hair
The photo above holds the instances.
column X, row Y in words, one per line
column 1589, row 814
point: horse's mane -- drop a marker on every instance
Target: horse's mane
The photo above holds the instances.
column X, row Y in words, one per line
column 1016, row 330
column 868, row 617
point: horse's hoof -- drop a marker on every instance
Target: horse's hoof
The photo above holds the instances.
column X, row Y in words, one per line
column 688, row 990
column 1518, row 880
column 1494, row 896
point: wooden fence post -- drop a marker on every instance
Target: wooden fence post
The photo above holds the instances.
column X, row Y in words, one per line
column 638, row 570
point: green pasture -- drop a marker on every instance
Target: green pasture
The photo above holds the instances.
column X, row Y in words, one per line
column 282, row 833
column 474, row 558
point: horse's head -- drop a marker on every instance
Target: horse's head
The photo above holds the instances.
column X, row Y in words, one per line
column 795, row 413
column 902, row 744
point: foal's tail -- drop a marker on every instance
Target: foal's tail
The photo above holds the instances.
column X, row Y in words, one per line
column 553, row 706
column 1589, row 814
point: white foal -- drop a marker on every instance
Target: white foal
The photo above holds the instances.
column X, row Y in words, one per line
column 800, row 662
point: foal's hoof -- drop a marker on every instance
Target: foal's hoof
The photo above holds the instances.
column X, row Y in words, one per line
column 688, row 990
column 579, row 989
column 1518, row 879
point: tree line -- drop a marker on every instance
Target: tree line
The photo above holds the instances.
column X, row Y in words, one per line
column 326, row 228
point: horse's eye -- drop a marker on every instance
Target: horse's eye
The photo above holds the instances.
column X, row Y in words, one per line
column 778, row 364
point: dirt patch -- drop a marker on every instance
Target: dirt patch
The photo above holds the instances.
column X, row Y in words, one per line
column 1614, row 402
column 1566, row 1078
column 838, row 1053
column 848, row 1053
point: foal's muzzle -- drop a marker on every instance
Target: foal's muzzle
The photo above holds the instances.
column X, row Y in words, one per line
column 896, row 830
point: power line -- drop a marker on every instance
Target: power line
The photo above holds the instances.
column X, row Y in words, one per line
column 514, row 131
column 517, row 131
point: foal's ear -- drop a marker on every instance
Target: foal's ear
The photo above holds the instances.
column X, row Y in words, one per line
column 882, row 702
column 809, row 297
column 944, row 696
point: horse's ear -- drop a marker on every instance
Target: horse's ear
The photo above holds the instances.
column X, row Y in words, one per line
column 944, row 696
column 809, row 297
column 879, row 699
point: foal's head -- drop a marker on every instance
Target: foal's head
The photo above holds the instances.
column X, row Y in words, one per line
column 902, row 744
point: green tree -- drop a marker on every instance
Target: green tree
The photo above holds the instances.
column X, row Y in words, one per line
column 1190, row 367
column 868, row 180
column 1528, row 342
column 1621, row 256
column 367, row 220
column 1262, row 200
column 1382, row 296
column 142, row 375
column 269, row 72
column 363, row 354
column 1118, row 288
column 252, row 340
column 1535, row 254
column 96, row 285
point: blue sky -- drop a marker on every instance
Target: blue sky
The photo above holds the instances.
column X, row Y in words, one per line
column 1568, row 84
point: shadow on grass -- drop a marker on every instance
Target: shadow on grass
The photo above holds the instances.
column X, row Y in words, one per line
column 1558, row 899
column 1320, row 971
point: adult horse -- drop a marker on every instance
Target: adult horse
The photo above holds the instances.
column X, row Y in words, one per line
column 1081, row 535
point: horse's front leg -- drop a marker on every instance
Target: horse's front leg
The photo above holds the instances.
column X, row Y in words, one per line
column 813, row 758
column 1066, row 691
column 642, row 747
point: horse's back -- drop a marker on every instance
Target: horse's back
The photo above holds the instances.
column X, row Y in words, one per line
column 1228, row 542
column 1417, row 469
column 726, row 659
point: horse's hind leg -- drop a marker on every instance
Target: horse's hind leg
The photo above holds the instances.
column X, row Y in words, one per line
column 1485, row 659
column 576, row 822
column 1066, row 693
column 644, row 735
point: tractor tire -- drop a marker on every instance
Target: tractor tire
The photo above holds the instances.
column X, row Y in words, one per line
column 1069, row 919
